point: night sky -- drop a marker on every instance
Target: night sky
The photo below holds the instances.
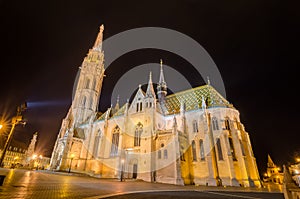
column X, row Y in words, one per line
column 254, row 43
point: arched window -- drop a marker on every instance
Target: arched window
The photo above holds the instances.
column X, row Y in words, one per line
column 87, row 83
column 165, row 154
column 141, row 106
column 219, row 149
column 182, row 158
column 159, row 154
column 195, row 126
column 242, row 147
column 202, row 154
column 83, row 101
column 215, row 123
column 194, row 151
column 94, row 84
column 227, row 124
column 115, row 141
column 137, row 134
column 232, row 151
column 96, row 144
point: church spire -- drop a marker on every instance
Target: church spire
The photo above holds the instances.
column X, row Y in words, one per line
column 31, row 147
column 117, row 106
column 208, row 81
column 98, row 42
column 162, row 85
column 150, row 90
column 161, row 76
column 270, row 162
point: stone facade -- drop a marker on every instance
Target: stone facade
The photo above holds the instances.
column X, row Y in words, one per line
column 191, row 137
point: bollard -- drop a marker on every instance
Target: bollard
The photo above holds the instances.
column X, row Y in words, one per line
column 2, row 177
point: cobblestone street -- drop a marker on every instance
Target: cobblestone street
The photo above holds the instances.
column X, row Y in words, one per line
column 45, row 184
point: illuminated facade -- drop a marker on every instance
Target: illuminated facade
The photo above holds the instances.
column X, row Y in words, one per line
column 191, row 137
column 19, row 155
column 14, row 156
column 273, row 173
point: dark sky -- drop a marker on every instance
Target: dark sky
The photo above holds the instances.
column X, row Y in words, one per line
column 254, row 43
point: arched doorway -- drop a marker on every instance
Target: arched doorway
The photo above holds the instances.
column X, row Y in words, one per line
column 133, row 168
column 134, row 171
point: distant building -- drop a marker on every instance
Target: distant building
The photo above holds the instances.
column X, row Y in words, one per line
column 273, row 173
column 294, row 170
column 19, row 155
column 191, row 137
column 15, row 154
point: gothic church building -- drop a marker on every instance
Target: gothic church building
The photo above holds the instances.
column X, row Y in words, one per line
column 191, row 137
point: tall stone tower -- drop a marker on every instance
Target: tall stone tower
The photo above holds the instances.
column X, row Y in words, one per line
column 84, row 105
column 86, row 98
column 30, row 149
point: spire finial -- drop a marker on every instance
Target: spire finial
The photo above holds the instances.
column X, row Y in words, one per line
column 161, row 76
column 150, row 76
column 203, row 103
column 150, row 89
column 101, row 27
column 98, row 42
column 118, row 99
column 117, row 104
column 208, row 81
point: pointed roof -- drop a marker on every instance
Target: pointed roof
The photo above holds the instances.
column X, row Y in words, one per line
column 117, row 106
column 161, row 75
column 270, row 162
column 121, row 111
column 150, row 90
column 98, row 42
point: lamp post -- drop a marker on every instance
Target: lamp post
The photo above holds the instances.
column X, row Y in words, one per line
column 18, row 119
column 72, row 157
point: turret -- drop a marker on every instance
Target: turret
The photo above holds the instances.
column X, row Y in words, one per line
column 150, row 90
column 150, row 97
column 162, row 85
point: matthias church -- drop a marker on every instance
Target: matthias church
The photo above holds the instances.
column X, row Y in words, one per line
column 191, row 137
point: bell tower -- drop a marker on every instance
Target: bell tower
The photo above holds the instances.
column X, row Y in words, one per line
column 88, row 89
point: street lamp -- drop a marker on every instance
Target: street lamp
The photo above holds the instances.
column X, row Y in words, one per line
column 72, row 157
column 18, row 119
column 1, row 126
